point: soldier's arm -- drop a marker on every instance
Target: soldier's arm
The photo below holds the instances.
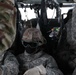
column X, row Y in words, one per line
column 10, row 66
column 52, row 68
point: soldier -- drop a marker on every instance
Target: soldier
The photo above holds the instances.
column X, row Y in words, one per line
column 34, row 61
column 67, row 51
column 8, row 62
column 73, row 39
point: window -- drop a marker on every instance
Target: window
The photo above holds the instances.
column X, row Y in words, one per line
column 29, row 14
column 51, row 13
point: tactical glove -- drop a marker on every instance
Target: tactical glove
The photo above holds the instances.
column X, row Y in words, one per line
column 38, row 70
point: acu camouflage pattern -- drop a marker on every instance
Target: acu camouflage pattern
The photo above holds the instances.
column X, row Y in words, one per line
column 8, row 62
column 10, row 65
column 71, row 30
column 71, row 38
column 67, row 51
column 28, row 61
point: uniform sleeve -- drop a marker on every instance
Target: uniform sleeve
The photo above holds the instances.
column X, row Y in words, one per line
column 10, row 66
column 52, row 68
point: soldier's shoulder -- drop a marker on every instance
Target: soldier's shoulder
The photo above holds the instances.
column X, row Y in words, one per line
column 48, row 56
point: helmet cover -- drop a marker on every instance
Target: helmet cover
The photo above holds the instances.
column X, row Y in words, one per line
column 33, row 35
column 7, row 25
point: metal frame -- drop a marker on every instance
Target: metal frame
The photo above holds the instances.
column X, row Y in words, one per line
column 39, row 1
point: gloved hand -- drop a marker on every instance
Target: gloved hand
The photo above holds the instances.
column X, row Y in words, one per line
column 38, row 70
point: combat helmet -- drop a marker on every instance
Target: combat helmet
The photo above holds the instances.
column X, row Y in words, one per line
column 10, row 2
column 33, row 35
column 7, row 24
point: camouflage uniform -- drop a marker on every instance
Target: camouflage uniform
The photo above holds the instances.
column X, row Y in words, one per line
column 8, row 62
column 30, row 60
column 67, row 52
column 71, row 40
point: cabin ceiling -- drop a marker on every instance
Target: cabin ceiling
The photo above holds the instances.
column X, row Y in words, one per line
column 39, row 1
